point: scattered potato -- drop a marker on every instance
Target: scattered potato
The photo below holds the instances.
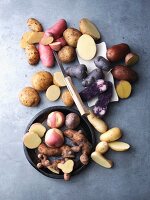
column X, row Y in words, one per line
column 67, row 98
column 58, row 79
column 38, row 128
column 53, row 93
column 119, row 146
column 71, row 36
column 101, row 160
column 24, row 39
column 123, row 89
column 31, row 140
column 53, row 170
column 102, row 147
column 35, row 37
column 131, row 59
column 66, row 167
column 42, row 80
column 86, row 47
column 47, row 40
column 34, row 25
column 111, row 135
column 72, row 121
column 87, row 27
column 29, row 97
column 56, row 46
column 67, row 54
column 32, row 54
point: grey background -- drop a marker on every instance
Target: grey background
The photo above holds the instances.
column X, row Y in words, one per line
column 118, row 21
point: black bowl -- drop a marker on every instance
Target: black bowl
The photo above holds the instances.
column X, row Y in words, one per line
column 41, row 117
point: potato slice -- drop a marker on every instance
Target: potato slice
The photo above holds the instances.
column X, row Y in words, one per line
column 47, row 40
column 119, row 146
column 31, row 140
column 131, row 59
column 66, row 167
column 35, row 37
column 86, row 47
column 87, row 27
column 53, row 170
column 58, row 79
column 24, row 39
column 38, row 128
column 123, row 89
column 53, row 93
column 101, row 160
column 111, row 135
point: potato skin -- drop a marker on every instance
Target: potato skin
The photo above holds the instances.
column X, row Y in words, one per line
column 71, row 36
column 34, row 25
column 29, row 97
column 67, row 54
column 117, row 52
column 32, row 54
column 72, row 120
column 121, row 72
column 42, row 80
column 67, row 98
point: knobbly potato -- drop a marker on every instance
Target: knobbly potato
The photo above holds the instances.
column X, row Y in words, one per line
column 67, row 54
column 29, row 97
column 111, row 135
column 67, row 98
column 121, row 72
column 71, row 36
column 102, row 147
column 32, row 54
column 34, row 25
column 131, row 59
column 123, row 89
column 42, row 80
column 31, row 140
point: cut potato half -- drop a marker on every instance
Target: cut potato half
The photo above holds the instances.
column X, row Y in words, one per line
column 38, row 128
column 31, row 140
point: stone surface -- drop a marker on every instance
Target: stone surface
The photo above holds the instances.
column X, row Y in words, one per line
column 119, row 21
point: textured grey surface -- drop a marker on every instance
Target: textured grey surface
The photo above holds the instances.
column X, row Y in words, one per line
column 119, row 21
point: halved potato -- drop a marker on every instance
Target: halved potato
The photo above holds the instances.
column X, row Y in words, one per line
column 31, row 140
column 38, row 128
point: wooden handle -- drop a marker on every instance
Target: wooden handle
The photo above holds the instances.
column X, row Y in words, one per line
column 76, row 97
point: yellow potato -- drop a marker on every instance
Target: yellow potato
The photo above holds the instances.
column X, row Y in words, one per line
column 35, row 37
column 32, row 54
column 111, row 135
column 71, row 36
column 53, row 93
column 67, row 98
column 31, row 140
column 53, row 170
column 123, row 89
column 34, row 25
column 102, row 147
column 119, row 146
column 24, row 39
column 66, row 167
column 58, row 79
column 38, row 128
column 67, row 54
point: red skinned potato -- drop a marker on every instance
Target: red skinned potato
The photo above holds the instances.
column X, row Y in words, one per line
column 54, row 138
column 121, row 72
column 46, row 55
column 117, row 52
column 62, row 41
column 56, row 46
column 55, row 119
column 57, row 29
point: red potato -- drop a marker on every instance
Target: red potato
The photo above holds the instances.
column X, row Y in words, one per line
column 57, row 29
column 55, row 119
column 54, row 138
column 62, row 41
column 56, row 46
column 46, row 55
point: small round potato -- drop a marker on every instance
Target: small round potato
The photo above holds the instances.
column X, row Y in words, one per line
column 34, row 25
column 72, row 120
column 67, row 98
column 71, row 36
column 29, row 97
column 42, row 80
column 67, row 54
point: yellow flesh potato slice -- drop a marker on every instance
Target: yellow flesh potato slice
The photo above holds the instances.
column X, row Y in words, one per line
column 66, row 167
column 58, row 79
column 38, row 128
column 31, row 140
column 53, row 93
column 123, row 89
column 35, row 37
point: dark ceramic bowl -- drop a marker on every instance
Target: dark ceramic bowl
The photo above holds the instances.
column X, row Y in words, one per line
column 31, row 154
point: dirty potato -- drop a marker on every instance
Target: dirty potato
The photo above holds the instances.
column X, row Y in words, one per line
column 67, row 54
column 32, row 54
column 34, row 25
column 71, row 36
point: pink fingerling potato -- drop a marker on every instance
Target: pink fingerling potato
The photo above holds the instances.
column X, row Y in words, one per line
column 54, row 138
column 62, row 41
column 55, row 119
column 56, row 46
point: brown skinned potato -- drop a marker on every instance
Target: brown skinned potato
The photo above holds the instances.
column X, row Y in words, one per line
column 117, row 52
column 71, row 36
column 67, row 54
column 121, row 72
column 34, row 25
column 32, row 54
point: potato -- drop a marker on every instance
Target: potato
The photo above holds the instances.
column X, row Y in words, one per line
column 29, row 97
column 62, row 41
column 87, row 27
column 101, row 160
column 38, row 128
column 71, row 35
column 67, row 98
column 31, row 140
column 111, row 135
column 34, row 25
column 56, row 46
column 131, row 59
column 102, row 147
column 86, row 47
column 46, row 40
column 53, row 93
column 67, row 54
column 53, row 170
column 42, row 80
column 55, row 119
column 121, row 72
column 123, row 89
column 54, row 138
column 35, row 37
column 72, row 121
column 117, row 52
column 66, row 167
column 119, row 146
column 24, row 39
column 58, row 79
column 32, row 54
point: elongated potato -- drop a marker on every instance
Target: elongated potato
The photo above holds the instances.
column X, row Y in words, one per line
column 101, row 160
column 31, row 140
column 102, row 147
column 34, row 25
column 98, row 123
column 111, row 135
column 119, row 146
column 35, row 37
column 32, row 54
column 38, row 128
column 86, row 47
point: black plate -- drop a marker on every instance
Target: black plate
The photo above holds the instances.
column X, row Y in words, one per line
column 41, row 118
